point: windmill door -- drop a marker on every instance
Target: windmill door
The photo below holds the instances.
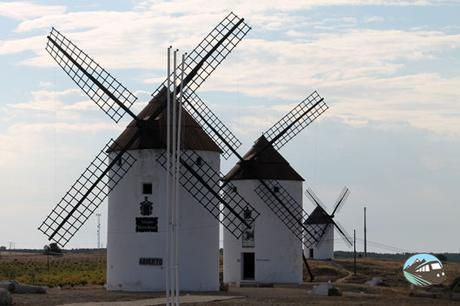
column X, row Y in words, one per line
column 248, row 266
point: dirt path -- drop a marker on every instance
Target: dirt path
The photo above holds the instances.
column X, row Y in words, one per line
column 341, row 268
column 186, row 299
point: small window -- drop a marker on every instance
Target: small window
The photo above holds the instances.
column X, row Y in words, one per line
column 199, row 161
column 234, row 189
column 311, row 253
column 276, row 189
column 435, row 266
column 119, row 162
column 147, row 188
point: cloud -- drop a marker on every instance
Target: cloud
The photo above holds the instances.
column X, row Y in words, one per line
column 47, row 113
column 50, row 105
column 351, row 67
column 374, row 19
column 22, row 10
column 360, row 73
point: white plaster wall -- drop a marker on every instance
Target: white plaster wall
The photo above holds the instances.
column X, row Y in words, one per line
column 325, row 248
column 198, row 233
column 278, row 253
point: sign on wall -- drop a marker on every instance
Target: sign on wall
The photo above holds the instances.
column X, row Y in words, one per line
column 146, row 224
column 148, row 261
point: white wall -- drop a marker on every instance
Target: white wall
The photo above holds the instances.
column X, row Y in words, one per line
column 325, row 248
column 278, row 253
column 198, row 239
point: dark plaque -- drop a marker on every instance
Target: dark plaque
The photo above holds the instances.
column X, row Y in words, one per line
column 148, row 261
column 147, row 224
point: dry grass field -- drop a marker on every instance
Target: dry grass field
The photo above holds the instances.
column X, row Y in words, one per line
column 71, row 269
column 79, row 277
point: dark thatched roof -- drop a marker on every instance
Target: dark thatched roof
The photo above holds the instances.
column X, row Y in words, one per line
column 318, row 216
column 154, row 137
column 267, row 165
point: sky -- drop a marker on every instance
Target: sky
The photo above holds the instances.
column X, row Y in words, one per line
column 388, row 69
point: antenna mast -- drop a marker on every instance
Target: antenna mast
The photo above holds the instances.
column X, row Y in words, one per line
column 365, row 233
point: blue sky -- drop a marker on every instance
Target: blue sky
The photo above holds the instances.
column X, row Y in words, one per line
column 388, row 70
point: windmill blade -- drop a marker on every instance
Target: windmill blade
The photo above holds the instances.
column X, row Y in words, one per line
column 314, row 198
column 315, row 235
column 322, row 229
column 286, row 208
column 296, row 120
column 101, row 87
column 346, row 237
column 86, row 194
column 210, row 52
column 202, row 182
column 211, row 124
column 341, row 200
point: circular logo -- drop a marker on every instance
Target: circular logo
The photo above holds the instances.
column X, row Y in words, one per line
column 424, row 270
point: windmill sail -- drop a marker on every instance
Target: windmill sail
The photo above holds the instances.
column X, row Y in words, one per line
column 346, row 237
column 86, row 194
column 287, row 209
column 296, row 120
column 211, row 124
column 315, row 199
column 202, row 182
column 320, row 217
column 198, row 65
column 210, row 52
column 113, row 98
column 100, row 86
column 340, row 200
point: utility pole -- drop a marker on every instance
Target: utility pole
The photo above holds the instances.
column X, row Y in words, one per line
column 365, row 233
column 354, row 252
column 98, row 230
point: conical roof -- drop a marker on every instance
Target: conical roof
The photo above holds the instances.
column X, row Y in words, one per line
column 267, row 165
column 154, row 136
column 318, row 216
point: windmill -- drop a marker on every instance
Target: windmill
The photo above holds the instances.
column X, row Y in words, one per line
column 322, row 225
column 134, row 164
column 271, row 250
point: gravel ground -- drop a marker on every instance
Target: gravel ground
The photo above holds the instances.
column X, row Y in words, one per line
column 353, row 295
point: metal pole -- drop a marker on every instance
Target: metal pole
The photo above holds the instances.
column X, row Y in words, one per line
column 177, row 176
column 173, row 191
column 168, row 94
column 174, row 195
column 365, row 233
column 354, row 252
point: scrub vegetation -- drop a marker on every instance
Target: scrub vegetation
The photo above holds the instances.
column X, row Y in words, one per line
column 67, row 270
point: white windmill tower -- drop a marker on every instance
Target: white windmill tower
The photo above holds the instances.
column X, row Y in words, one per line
column 271, row 251
column 322, row 225
column 268, row 252
column 132, row 171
